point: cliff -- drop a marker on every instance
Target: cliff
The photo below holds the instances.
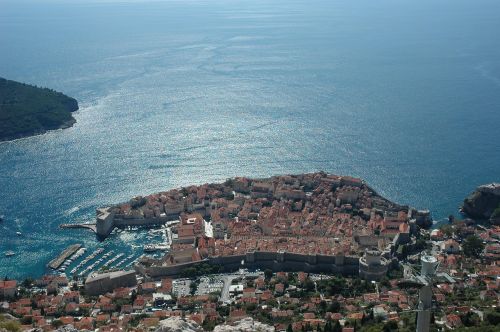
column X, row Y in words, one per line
column 484, row 203
column 27, row 110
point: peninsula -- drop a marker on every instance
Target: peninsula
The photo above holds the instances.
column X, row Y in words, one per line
column 27, row 110
column 308, row 222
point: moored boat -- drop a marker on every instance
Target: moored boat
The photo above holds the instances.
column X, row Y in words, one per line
column 9, row 253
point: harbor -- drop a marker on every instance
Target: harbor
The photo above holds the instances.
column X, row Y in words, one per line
column 78, row 262
column 86, row 260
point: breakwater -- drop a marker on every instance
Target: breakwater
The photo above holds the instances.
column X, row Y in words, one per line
column 56, row 262
column 90, row 226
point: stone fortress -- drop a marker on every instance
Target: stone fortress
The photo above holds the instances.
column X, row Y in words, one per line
column 310, row 222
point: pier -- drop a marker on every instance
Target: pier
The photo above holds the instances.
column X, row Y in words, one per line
column 55, row 263
column 90, row 226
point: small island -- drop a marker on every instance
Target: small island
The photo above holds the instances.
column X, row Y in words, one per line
column 27, row 110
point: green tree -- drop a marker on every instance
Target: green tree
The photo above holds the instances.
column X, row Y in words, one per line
column 56, row 323
column 447, row 230
column 209, row 325
column 385, row 282
column 334, row 306
column 27, row 283
column 27, row 320
column 133, row 296
column 473, row 246
column 268, row 273
column 309, row 285
column 322, row 306
column 493, row 317
column 193, row 286
column 420, row 244
column 251, row 307
column 378, row 327
column 390, row 326
column 336, row 327
column 496, row 212
column 470, row 319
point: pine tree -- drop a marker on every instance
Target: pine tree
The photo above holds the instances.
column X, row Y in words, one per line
column 336, row 327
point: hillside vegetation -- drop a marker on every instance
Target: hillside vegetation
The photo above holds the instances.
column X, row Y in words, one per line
column 27, row 110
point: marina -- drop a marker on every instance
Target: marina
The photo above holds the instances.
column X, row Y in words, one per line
column 70, row 260
column 78, row 262
column 111, row 261
column 86, row 260
column 123, row 261
column 94, row 265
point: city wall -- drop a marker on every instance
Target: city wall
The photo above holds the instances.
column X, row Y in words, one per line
column 107, row 221
column 106, row 282
column 276, row 261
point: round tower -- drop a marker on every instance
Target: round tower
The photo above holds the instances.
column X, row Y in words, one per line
column 372, row 266
column 429, row 265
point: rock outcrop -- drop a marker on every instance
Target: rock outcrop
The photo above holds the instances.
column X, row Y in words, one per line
column 67, row 328
column 244, row 325
column 484, row 203
column 178, row 324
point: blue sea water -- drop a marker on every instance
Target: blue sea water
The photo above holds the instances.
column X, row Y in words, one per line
column 403, row 93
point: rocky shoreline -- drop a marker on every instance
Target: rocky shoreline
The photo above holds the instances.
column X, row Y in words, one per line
column 67, row 124
column 484, row 203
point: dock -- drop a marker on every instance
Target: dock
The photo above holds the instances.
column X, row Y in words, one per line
column 57, row 262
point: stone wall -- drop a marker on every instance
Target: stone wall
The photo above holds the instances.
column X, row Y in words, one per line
column 276, row 261
column 106, row 223
column 106, row 282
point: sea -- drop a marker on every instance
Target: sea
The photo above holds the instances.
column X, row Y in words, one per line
column 402, row 93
